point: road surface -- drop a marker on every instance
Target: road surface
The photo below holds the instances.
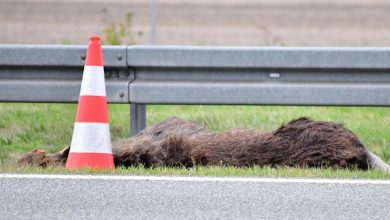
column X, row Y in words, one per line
column 140, row 197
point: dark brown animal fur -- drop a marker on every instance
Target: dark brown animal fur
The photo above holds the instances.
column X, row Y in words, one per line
column 177, row 142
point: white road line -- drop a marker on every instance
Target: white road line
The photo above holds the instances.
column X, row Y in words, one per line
column 196, row 179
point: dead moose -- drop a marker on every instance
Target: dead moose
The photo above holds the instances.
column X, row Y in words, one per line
column 180, row 143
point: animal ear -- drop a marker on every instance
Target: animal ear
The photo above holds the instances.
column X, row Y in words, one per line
column 37, row 151
column 65, row 152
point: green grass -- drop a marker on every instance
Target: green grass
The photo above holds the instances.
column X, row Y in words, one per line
column 24, row 127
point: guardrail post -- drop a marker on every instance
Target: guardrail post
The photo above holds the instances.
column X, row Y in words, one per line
column 137, row 118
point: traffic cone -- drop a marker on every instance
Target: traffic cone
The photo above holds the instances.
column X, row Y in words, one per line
column 91, row 141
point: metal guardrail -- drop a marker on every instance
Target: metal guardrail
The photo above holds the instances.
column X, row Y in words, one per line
column 53, row 73
column 141, row 75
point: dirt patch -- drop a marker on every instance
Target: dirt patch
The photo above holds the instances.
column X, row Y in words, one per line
column 247, row 23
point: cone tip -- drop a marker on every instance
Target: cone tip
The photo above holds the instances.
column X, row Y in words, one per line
column 94, row 38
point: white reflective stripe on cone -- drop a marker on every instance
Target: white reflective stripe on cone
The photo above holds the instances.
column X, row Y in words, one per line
column 93, row 81
column 91, row 138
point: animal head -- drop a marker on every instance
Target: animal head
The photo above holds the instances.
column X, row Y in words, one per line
column 35, row 157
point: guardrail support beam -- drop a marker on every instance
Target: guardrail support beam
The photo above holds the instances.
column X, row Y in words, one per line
column 137, row 118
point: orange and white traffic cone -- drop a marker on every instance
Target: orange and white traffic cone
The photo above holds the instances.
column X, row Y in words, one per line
column 91, row 141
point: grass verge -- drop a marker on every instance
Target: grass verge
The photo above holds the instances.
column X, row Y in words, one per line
column 216, row 171
column 24, row 127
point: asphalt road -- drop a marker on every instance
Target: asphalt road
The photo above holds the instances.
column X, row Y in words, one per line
column 124, row 197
